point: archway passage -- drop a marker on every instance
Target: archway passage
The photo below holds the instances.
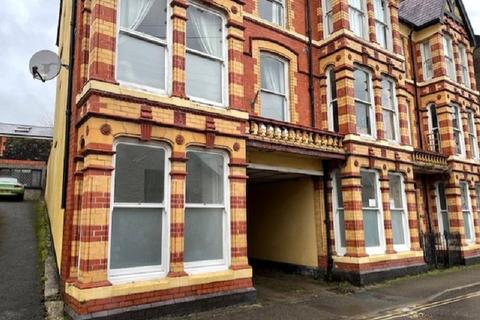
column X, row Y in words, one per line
column 281, row 220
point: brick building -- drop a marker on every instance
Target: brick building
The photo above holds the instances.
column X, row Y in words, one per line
column 328, row 135
column 24, row 151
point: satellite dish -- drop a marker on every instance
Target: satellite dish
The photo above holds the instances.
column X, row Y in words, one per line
column 45, row 65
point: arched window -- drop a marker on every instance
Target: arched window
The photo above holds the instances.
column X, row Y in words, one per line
column 332, row 103
column 364, row 108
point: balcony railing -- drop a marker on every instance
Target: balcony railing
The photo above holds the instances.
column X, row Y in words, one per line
column 430, row 160
column 287, row 134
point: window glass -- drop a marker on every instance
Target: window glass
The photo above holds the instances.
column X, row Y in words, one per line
column 363, row 102
column 272, row 10
column 381, row 23
column 444, row 224
column 205, row 172
column 273, row 88
column 472, row 134
column 369, row 190
column 204, row 236
column 357, row 17
column 205, row 213
column 340, row 212
column 466, row 211
column 139, row 174
column 142, row 43
column 370, row 223
column 389, row 109
column 397, row 209
column 458, row 130
column 448, row 51
column 464, row 65
column 145, row 16
column 427, row 60
column 141, row 247
column 204, row 63
column 332, row 102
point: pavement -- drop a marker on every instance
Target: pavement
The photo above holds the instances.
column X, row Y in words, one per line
column 442, row 295
column 20, row 289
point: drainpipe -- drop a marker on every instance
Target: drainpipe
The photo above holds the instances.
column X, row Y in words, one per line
column 310, row 63
column 68, row 109
column 417, row 98
column 326, row 173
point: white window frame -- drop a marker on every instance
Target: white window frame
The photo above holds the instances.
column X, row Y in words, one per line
column 468, row 212
column 407, row 245
column 363, row 12
column 371, row 113
column 225, row 88
column 427, row 60
column 167, row 44
column 465, row 73
column 330, row 100
column 282, row 4
column 472, row 135
column 457, row 112
column 206, row 266
column 441, row 228
column 327, row 18
column 433, row 131
column 449, row 57
column 394, row 110
column 336, row 187
column 147, row 272
column 381, row 249
column 286, row 96
column 385, row 25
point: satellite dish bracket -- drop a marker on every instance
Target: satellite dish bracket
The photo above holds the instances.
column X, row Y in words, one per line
column 36, row 73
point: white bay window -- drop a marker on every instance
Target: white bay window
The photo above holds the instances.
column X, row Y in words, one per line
column 398, row 211
column 205, row 61
column 467, row 212
column 472, row 134
column 382, row 25
column 427, row 61
column 442, row 209
column 364, row 102
column 448, row 52
column 464, row 65
column 390, row 110
column 458, row 130
column 357, row 18
column 372, row 213
column 138, row 227
column 142, row 48
column 332, row 100
column 273, row 11
column 327, row 17
column 206, row 212
column 274, row 86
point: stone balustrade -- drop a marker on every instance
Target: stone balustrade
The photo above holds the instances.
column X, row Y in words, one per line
column 288, row 134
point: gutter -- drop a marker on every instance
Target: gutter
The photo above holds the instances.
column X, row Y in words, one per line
column 310, row 63
column 68, row 109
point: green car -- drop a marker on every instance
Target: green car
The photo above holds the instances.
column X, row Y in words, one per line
column 11, row 187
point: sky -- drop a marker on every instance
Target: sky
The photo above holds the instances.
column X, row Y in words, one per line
column 27, row 26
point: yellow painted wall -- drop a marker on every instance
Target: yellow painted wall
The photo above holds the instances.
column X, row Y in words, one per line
column 281, row 223
column 53, row 192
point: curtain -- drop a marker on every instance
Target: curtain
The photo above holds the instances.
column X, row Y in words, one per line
column 204, row 32
column 272, row 74
column 134, row 12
